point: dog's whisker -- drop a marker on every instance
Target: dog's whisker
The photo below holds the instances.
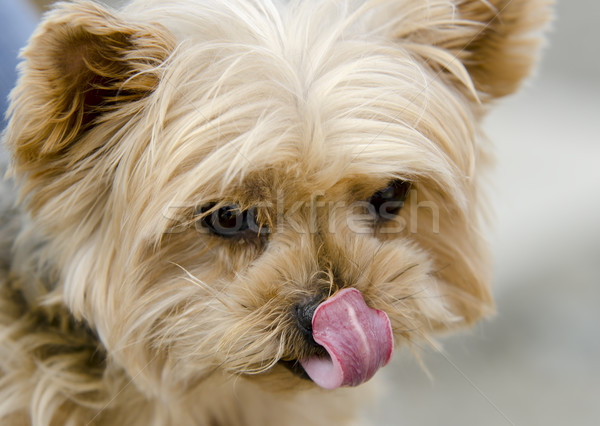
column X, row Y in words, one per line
column 401, row 273
column 217, row 295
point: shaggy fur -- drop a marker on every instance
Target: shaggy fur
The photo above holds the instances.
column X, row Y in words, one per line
column 117, row 308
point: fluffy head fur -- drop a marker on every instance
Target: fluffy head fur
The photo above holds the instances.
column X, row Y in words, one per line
column 123, row 123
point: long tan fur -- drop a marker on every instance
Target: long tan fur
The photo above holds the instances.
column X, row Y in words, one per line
column 115, row 308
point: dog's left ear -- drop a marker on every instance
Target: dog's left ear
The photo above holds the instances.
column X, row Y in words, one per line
column 496, row 41
column 82, row 63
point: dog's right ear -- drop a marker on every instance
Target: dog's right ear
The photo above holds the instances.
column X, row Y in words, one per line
column 83, row 62
column 492, row 44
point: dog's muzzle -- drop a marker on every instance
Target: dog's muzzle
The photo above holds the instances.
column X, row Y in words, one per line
column 357, row 340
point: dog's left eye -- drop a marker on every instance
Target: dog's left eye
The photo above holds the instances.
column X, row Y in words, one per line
column 388, row 202
column 229, row 221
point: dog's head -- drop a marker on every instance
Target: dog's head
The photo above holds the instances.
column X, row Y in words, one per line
column 209, row 174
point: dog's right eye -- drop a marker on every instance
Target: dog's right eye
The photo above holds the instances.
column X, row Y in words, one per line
column 229, row 221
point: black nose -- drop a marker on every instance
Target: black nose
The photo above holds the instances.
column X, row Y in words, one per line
column 304, row 312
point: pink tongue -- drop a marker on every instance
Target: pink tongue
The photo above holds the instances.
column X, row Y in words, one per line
column 357, row 338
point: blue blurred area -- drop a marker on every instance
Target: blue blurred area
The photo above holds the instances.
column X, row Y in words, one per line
column 17, row 21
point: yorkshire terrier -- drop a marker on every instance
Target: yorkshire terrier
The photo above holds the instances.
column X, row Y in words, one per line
column 231, row 209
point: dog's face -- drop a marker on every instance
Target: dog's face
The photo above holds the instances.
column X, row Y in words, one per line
column 207, row 183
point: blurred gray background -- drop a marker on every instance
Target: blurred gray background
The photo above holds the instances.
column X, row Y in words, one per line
column 537, row 362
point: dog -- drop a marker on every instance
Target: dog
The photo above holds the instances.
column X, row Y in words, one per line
column 231, row 212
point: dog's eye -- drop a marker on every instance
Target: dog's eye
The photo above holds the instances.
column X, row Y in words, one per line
column 388, row 202
column 229, row 221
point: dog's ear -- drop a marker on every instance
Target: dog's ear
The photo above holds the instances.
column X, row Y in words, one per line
column 495, row 40
column 82, row 63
